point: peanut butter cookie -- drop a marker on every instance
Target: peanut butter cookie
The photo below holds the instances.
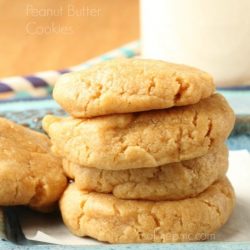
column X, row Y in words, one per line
column 131, row 85
column 144, row 139
column 107, row 218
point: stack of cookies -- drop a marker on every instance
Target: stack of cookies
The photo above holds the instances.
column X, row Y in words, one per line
column 145, row 149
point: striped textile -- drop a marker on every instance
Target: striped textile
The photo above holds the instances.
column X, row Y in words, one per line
column 40, row 84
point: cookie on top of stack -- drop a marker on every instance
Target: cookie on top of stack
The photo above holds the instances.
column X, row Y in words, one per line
column 145, row 147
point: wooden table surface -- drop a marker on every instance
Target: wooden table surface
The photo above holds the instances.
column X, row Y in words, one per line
column 44, row 34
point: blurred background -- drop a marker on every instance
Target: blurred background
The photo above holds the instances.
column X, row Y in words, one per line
column 44, row 35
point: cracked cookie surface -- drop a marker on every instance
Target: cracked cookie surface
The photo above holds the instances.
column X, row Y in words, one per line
column 107, row 218
column 131, row 85
column 144, row 139
column 173, row 181
column 29, row 173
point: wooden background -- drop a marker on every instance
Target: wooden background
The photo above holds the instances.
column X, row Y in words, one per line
column 39, row 35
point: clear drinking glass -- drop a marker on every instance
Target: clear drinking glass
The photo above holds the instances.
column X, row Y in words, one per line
column 213, row 35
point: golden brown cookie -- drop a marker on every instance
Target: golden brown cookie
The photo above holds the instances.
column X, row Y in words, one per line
column 142, row 140
column 131, row 85
column 29, row 173
column 173, row 181
column 107, row 218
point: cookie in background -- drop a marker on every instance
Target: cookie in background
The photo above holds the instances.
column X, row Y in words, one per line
column 29, row 173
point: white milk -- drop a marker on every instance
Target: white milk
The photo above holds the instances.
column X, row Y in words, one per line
column 213, row 35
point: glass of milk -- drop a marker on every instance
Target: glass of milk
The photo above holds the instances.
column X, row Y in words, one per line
column 213, row 35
